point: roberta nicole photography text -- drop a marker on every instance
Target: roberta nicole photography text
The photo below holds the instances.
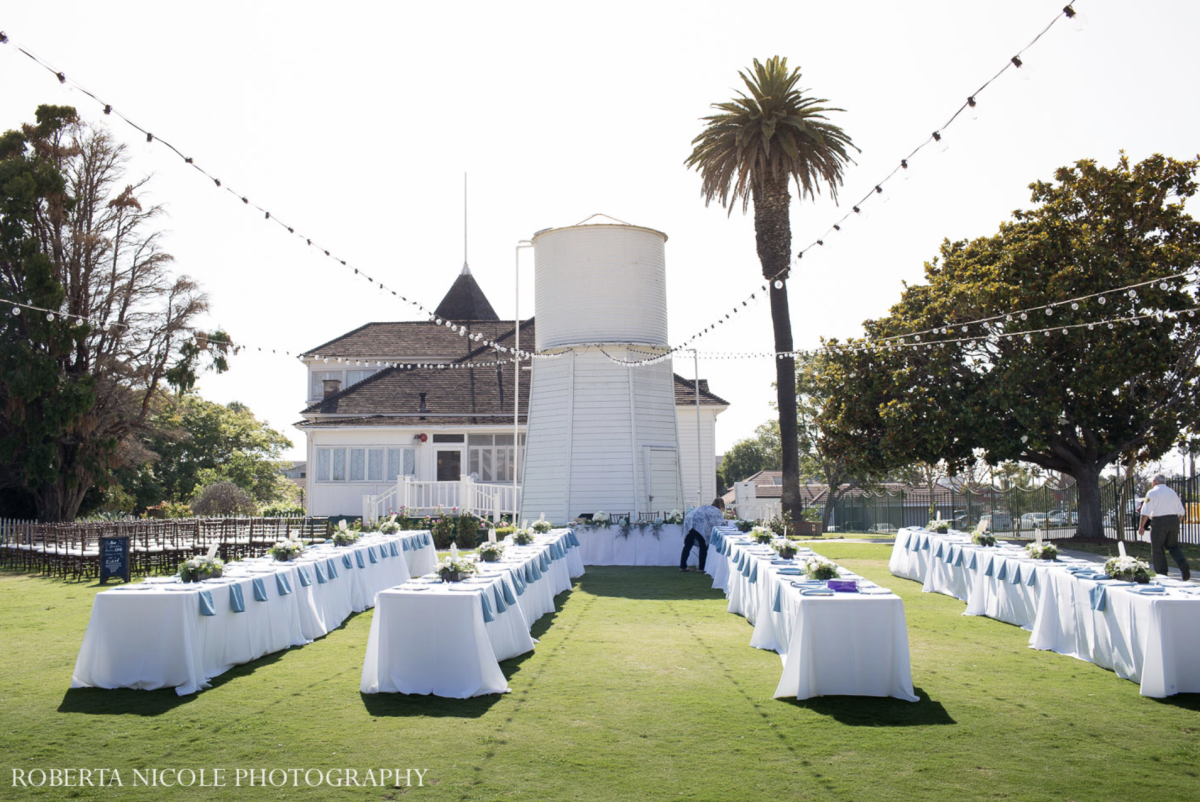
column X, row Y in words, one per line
column 217, row 778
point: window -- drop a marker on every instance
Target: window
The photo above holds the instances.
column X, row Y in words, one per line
column 448, row 438
column 358, row 464
column 491, row 458
column 355, row 376
column 323, row 464
column 339, row 465
column 318, row 378
column 375, row 465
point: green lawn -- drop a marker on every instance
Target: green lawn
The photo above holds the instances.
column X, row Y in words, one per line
column 642, row 687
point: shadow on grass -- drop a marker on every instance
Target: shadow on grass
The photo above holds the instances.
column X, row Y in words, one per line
column 871, row 711
column 127, row 701
column 1184, row 701
column 647, row 582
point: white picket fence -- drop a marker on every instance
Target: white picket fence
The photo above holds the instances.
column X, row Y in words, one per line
column 419, row 497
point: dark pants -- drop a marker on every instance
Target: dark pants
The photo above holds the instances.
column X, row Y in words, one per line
column 693, row 538
column 1164, row 536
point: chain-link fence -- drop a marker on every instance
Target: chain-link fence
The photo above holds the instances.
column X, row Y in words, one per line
column 1013, row 512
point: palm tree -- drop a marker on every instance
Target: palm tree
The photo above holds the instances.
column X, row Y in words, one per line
column 753, row 148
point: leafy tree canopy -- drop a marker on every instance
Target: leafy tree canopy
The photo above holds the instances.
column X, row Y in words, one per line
column 1060, row 388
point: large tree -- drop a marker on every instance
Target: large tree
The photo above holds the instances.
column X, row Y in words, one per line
column 753, row 454
column 1070, row 388
column 752, row 150
column 76, row 239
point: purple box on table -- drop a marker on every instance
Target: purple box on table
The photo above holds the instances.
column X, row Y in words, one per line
column 843, row 585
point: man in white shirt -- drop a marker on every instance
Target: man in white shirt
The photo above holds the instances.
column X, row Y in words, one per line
column 1163, row 509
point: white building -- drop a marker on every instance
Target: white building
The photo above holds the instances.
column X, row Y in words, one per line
column 417, row 429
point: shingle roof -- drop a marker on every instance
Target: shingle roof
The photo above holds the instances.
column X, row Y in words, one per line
column 417, row 339
column 465, row 301
column 685, row 393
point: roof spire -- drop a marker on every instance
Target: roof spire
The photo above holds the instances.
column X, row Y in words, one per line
column 466, row 271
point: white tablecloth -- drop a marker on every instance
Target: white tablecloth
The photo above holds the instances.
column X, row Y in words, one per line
column 846, row 644
column 153, row 634
column 1151, row 640
column 641, row 546
column 438, row 639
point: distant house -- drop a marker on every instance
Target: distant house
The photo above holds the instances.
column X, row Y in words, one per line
column 447, row 410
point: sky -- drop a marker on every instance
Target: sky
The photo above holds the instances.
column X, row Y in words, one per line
column 355, row 125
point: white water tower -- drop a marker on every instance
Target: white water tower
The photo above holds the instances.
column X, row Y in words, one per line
column 601, row 435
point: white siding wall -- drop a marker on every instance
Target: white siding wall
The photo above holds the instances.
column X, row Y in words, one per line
column 706, row 466
column 547, row 452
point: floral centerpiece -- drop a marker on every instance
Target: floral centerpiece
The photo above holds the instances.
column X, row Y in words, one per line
column 983, row 539
column 491, row 552
column 344, row 535
column 286, row 550
column 762, row 535
column 390, row 526
column 542, row 527
column 601, row 519
column 1042, row 551
column 939, row 526
column 453, row 570
column 198, row 568
column 744, row 526
column 522, row 537
column 1131, row 569
column 820, row 568
column 786, row 548
column 673, row 517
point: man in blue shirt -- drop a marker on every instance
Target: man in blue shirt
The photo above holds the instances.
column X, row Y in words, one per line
column 697, row 526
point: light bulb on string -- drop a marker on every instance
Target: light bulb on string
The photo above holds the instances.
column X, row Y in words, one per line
column 1078, row 22
column 881, row 194
column 1023, row 68
column 973, row 109
column 904, row 171
column 943, row 144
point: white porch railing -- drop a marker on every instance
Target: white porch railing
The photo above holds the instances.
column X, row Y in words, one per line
column 423, row 497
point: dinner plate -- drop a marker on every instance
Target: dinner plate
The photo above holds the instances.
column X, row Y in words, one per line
column 817, row 592
column 875, row 591
column 414, row 587
column 177, row 588
column 460, row 589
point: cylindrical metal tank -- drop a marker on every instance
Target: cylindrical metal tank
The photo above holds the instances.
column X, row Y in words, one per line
column 600, row 284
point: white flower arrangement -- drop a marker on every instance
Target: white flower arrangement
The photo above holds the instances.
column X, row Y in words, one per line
column 762, row 535
column 1042, row 551
column 198, row 568
column 673, row 517
column 344, row 535
column 786, row 548
column 1128, row 568
column 286, row 550
column 938, row 526
column 452, row 570
column 490, row 552
column 390, row 526
column 819, row 568
column 542, row 527
column 981, row 538
column 601, row 519
column 522, row 537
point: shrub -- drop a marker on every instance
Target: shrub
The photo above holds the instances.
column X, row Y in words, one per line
column 443, row 529
column 224, row 498
column 467, row 531
column 282, row 511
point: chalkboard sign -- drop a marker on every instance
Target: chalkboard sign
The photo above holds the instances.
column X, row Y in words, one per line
column 114, row 558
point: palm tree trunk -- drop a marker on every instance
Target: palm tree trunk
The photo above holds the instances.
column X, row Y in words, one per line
column 773, row 236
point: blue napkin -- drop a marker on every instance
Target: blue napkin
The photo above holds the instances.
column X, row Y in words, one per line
column 206, row 603
column 908, row 542
column 359, row 558
column 371, row 554
column 282, row 584
column 425, row 539
column 790, row 571
column 305, row 578
column 260, row 589
column 392, row 548
column 925, row 544
column 958, row 560
column 508, row 594
column 754, row 572
column 346, row 562
column 816, row 592
column 574, row 540
column 518, row 583
column 487, row 608
column 320, row 574
column 1031, row 579
column 1016, row 575
column 1003, row 572
column 544, row 561
column 406, row 544
column 236, row 602
column 988, row 571
column 537, row 572
column 974, row 561
column 775, row 603
column 500, row 605
column 528, row 572
column 938, row 551
column 1097, row 594
column 331, row 568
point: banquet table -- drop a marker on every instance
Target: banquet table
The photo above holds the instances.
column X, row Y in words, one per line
column 1147, row 634
column 831, row 643
column 642, row 545
column 161, row 633
column 448, row 638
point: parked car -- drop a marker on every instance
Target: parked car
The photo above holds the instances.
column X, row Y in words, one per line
column 994, row 521
column 885, row 528
column 1060, row 518
column 1034, row 520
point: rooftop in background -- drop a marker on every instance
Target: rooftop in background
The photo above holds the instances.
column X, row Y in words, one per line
column 465, row 300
